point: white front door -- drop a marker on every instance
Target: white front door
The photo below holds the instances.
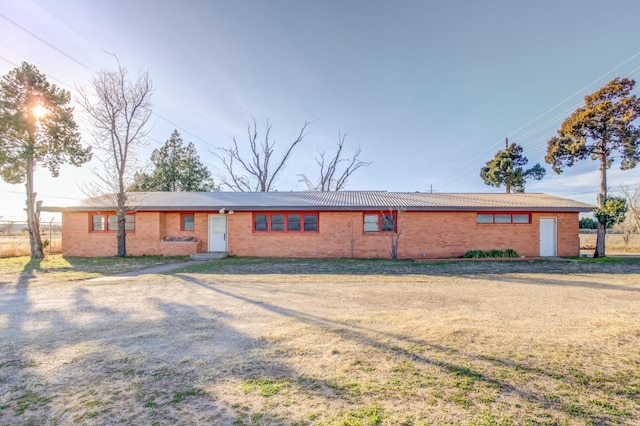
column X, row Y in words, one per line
column 548, row 236
column 217, row 232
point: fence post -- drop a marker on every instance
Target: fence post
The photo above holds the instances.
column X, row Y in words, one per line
column 50, row 238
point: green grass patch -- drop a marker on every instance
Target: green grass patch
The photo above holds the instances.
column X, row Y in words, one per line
column 28, row 400
column 366, row 416
column 609, row 259
column 181, row 396
column 265, row 387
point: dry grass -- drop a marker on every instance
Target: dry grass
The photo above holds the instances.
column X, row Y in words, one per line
column 614, row 243
column 18, row 244
column 261, row 342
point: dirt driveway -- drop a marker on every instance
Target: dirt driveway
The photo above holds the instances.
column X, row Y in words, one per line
column 326, row 343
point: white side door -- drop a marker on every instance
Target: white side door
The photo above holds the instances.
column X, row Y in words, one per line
column 217, row 232
column 548, row 236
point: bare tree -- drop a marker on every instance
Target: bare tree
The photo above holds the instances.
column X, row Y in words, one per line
column 632, row 194
column 394, row 235
column 258, row 171
column 118, row 110
column 331, row 178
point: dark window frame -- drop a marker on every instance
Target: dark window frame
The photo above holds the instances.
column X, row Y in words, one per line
column 285, row 226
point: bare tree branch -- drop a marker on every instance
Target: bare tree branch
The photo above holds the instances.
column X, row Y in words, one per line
column 258, row 171
column 329, row 179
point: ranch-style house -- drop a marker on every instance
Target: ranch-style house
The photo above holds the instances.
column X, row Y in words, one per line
column 361, row 224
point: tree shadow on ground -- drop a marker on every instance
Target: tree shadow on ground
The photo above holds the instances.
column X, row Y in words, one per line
column 83, row 361
column 455, row 363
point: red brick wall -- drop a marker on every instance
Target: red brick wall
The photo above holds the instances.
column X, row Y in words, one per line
column 438, row 234
column 150, row 229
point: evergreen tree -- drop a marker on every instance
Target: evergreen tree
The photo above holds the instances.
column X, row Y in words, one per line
column 177, row 167
column 507, row 168
column 36, row 129
column 600, row 130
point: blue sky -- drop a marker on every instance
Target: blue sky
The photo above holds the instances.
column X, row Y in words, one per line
column 428, row 89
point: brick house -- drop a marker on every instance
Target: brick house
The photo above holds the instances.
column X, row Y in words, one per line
column 360, row 224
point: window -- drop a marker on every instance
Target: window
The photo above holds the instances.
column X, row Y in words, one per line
column 379, row 222
column 520, row 218
column 188, row 222
column 484, row 218
column 311, row 222
column 260, row 222
column 285, row 222
column 503, row 218
column 97, row 223
column 388, row 222
column 109, row 223
column 371, row 223
column 277, row 222
column 293, row 222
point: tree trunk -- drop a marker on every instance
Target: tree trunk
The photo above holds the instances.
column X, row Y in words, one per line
column 121, row 236
column 602, row 196
column 33, row 216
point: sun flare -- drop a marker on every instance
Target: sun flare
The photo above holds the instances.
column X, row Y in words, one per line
column 39, row 111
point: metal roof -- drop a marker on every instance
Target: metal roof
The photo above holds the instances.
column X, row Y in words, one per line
column 340, row 200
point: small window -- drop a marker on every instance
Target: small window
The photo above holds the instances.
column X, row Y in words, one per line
column 261, row 222
column 520, row 218
column 380, row 222
column 388, row 222
column 310, row 222
column 112, row 223
column 104, row 223
column 277, row 222
column 97, row 222
column 371, row 223
column 129, row 224
column 188, row 222
column 503, row 218
column 484, row 218
column 293, row 222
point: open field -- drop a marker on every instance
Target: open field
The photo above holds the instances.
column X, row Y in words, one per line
column 614, row 243
column 342, row 342
column 17, row 244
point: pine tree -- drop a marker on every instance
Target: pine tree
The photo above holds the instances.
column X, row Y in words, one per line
column 507, row 168
column 176, row 167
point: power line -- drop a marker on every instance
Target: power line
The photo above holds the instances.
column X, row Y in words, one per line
column 44, row 41
column 7, row 191
column 522, row 140
column 9, row 61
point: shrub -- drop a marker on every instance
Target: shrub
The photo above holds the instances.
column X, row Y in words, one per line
column 477, row 254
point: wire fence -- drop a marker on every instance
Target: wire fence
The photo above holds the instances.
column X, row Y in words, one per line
column 14, row 238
